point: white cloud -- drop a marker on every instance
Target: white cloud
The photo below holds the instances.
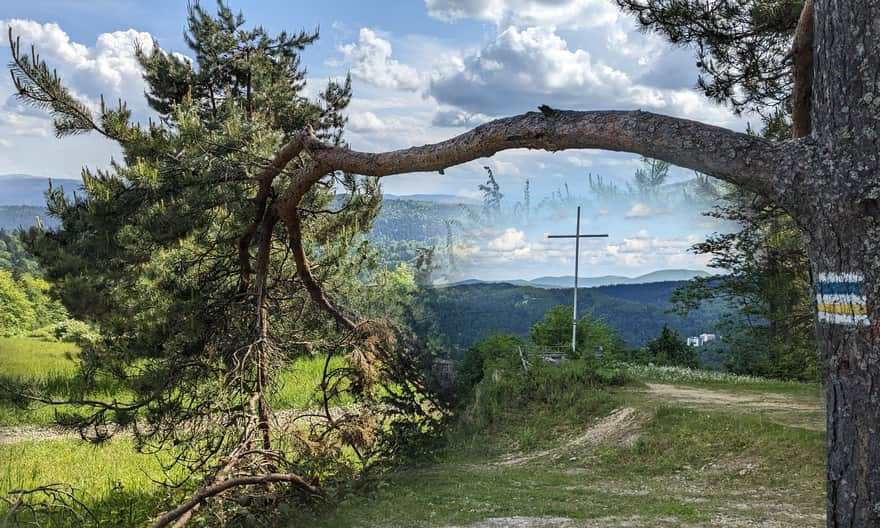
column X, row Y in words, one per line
column 523, row 68
column 505, row 168
column 511, row 240
column 365, row 122
column 572, row 14
column 579, row 160
column 458, row 118
column 643, row 210
column 109, row 66
column 371, row 62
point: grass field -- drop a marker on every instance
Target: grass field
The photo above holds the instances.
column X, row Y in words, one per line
column 674, row 448
column 114, row 481
column 52, row 366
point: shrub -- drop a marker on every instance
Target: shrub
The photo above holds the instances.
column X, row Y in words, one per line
column 74, row 331
column 671, row 350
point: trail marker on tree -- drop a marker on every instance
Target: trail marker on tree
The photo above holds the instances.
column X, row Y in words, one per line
column 577, row 236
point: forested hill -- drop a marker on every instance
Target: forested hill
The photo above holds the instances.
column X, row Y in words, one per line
column 405, row 224
column 462, row 315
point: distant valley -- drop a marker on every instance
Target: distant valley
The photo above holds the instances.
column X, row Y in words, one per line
column 464, row 311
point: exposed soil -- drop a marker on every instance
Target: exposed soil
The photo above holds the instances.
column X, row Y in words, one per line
column 28, row 433
column 621, row 427
column 741, row 508
column 783, row 409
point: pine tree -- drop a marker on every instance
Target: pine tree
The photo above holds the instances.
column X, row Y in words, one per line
column 765, row 284
column 491, row 195
column 203, row 289
column 649, row 178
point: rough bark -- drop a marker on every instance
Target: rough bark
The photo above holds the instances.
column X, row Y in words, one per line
column 844, row 230
column 802, row 90
column 729, row 155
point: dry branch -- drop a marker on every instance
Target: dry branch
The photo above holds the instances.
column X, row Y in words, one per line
column 222, row 486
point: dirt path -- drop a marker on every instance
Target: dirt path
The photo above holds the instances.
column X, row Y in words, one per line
column 28, row 433
column 39, row 433
column 791, row 411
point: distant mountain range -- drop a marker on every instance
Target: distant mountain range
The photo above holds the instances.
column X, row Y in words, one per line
column 447, row 199
column 567, row 281
column 27, row 189
column 24, row 189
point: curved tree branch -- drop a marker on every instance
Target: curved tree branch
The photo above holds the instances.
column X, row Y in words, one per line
column 732, row 156
column 294, row 231
column 287, row 153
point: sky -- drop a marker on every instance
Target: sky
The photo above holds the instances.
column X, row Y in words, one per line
column 423, row 71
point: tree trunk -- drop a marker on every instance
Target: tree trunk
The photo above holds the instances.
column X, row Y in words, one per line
column 843, row 225
column 849, row 341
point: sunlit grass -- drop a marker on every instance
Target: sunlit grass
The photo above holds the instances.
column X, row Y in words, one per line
column 36, row 359
column 688, row 376
column 115, row 483
column 686, row 467
column 298, row 383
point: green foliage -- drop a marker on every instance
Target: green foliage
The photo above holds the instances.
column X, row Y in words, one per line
column 73, row 331
column 160, row 254
column 743, row 47
column 497, row 351
column 669, row 349
column 567, row 390
column 14, row 256
column 592, row 332
column 463, row 315
column 25, row 304
column 768, row 320
column 16, row 312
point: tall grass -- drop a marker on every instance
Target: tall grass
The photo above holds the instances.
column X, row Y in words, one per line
column 25, row 357
column 298, row 383
column 116, row 484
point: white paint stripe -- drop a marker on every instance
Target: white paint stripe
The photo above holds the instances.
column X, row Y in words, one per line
column 841, row 277
column 840, row 298
column 851, row 320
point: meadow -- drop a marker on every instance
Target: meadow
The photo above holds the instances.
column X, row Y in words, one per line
column 118, row 485
column 661, row 447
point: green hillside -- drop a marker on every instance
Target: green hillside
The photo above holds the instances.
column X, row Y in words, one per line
column 465, row 314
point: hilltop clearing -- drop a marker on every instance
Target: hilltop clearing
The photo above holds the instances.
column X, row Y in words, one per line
column 697, row 452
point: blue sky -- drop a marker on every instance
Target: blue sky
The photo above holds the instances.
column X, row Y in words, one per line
column 423, row 70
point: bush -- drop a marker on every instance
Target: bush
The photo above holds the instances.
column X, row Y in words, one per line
column 74, row 331
column 498, row 351
column 592, row 332
column 669, row 349
column 568, row 392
